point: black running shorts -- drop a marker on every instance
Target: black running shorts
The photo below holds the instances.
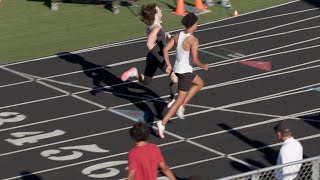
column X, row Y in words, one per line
column 185, row 81
column 153, row 64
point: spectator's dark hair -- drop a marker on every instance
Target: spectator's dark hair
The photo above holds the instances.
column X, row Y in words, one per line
column 189, row 20
column 147, row 13
column 139, row 132
column 284, row 127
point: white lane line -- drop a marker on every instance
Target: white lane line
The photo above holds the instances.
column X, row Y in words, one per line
column 38, row 79
column 303, row 113
column 140, row 59
column 66, row 84
column 246, row 102
column 15, row 84
column 259, row 10
column 250, row 113
column 232, row 61
column 18, row 73
column 196, row 162
column 263, row 97
column 259, row 98
column 188, row 141
column 241, row 80
column 143, row 58
column 243, row 152
column 84, row 162
column 220, row 153
column 268, row 36
column 207, row 87
column 265, row 75
column 161, row 145
column 240, row 152
column 276, row 144
column 54, row 119
column 65, row 141
column 212, row 109
column 215, row 151
column 258, row 19
column 191, row 138
column 243, row 112
column 254, row 77
column 172, row 53
column 123, row 115
column 144, row 38
column 133, row 119
column 201, row 45
column 89, row 101
column 35, row 101
column 55, row 88
column 33, row 78
column 264, row 30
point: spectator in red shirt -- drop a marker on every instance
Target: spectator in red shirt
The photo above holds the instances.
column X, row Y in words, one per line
column 145, row 158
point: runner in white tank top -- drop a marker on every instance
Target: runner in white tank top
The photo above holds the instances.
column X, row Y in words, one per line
column 188, row 83
column 183, row 60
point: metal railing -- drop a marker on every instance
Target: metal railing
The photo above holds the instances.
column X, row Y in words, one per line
column 306, row 169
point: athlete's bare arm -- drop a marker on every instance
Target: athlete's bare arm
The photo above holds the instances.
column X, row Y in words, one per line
column 172, row 42
column 152, row 37
column 131, row 175
column 194, row 45
column 166, row 171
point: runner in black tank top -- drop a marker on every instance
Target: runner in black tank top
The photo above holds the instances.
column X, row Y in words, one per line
column 157, row 39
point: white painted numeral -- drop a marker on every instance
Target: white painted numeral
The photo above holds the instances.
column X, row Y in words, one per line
column 162, row 178
column 32, row 137
column 11, row 117
column 75, row 154
column 107, row 166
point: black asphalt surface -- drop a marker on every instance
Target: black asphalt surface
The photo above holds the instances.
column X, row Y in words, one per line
column 67, row 116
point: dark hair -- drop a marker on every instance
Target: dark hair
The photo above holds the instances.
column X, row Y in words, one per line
column 284, row 127
column 139, row 132
column 147, row 13
column 189, row 20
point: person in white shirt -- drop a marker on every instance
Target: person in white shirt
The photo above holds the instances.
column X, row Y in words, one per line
column 290, row 151
column 188, row 82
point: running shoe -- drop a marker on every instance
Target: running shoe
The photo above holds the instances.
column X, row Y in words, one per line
column 133, row 72
column 170, row 103
column 160, row 129
column 180, row 112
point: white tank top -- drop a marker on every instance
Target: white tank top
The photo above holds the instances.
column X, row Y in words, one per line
column 183, row 58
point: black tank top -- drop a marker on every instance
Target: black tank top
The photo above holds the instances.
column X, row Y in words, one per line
column 161, row 38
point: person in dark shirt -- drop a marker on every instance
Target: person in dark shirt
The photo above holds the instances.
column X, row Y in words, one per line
column 157, row 38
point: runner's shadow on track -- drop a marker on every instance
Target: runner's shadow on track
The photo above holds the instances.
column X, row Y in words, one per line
column 105, row 81
column 26, row 175
column 313, row 2
column 313, row 120
column 269, row 154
